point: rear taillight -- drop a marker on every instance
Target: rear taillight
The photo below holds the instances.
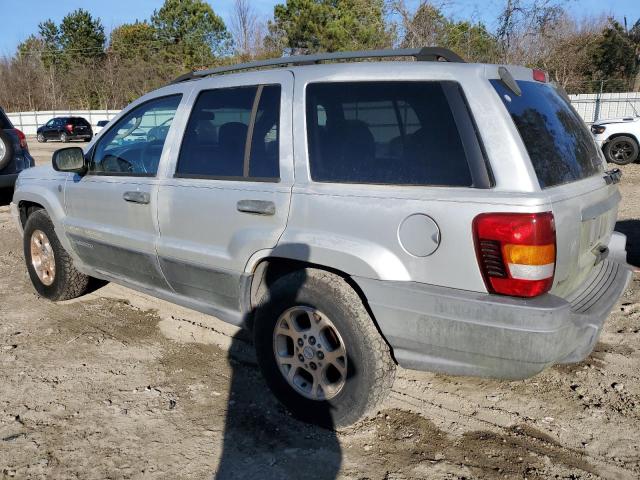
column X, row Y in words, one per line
column 516, row 252
column 22, row 139
column 69, row 128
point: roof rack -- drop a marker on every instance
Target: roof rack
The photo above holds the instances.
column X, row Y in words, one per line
column 425, row 54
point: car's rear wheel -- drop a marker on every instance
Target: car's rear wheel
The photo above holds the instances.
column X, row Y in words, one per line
column 49, row 265
column 41, row 138
column 6, row 149
column 621, row 150
column 64, row 138
column 319, row 350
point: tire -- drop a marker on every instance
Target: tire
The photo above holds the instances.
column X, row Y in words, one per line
column 66, row 282
column 41, row 138
column 621, row 150
column 64, row 138
column 370, row 369
column 6, row 149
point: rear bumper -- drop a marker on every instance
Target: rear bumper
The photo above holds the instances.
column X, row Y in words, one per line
column 8, row 180
column 466, row 333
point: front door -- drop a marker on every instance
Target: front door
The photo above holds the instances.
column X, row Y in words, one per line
column 111, row 211
column 228, row 194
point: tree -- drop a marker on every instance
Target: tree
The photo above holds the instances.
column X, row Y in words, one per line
column 308, row 26
column 246, row 29
column 134, row 41
column 81, row 36
column 192, row 32
column 614, row 55
column 428, row 26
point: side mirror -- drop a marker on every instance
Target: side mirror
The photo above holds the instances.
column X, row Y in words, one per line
column 69, row 159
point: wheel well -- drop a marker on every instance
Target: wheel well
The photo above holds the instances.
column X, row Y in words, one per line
column 616, row 135
column 270, row 269
column 26, row 209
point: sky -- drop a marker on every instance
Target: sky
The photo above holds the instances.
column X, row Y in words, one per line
column 20, row 19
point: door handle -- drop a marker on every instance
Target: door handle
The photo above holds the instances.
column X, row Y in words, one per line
column 257, row 207
column 137, row 197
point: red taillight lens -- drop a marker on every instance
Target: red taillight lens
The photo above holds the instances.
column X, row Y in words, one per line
column 21, row 138
column 69, row 128
column 540, row 75
column 516, row 252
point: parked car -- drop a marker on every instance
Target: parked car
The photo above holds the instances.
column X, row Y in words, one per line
column 446, row 216
column 618, row 139
column 99, row 126
column 14, row 153
column 65, row 129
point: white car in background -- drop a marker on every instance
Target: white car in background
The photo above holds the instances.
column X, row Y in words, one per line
column 619, row 139
column 99, row 126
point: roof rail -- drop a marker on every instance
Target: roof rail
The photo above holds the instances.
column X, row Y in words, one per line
column 425, row 54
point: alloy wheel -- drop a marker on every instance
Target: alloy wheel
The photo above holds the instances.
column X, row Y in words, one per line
column 42, row 257
column 310, row 353
column 622, row 151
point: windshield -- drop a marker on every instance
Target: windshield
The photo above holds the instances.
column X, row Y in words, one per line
column 557, row 140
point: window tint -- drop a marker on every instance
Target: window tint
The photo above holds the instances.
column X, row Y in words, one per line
column 560, row 147
column 220, row 127
column 78, row 121
column 385, row 133
column 134, row 144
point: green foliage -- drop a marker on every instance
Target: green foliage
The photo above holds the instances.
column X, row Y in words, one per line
column 329, row 25
column 472, row 41
column 134, row 41
column 614, row 54
column 81, row 36
column 192, row 32
column 429, row 26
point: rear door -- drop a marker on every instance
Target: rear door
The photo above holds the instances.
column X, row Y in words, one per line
column 228, row 194
column 569, row 168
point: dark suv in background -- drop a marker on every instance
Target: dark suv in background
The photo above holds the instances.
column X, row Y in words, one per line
column 65, row 129
column 14, row 153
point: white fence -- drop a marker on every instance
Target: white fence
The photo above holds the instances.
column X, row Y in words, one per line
column 599, row 106
column 591, row 107
column 29, row 122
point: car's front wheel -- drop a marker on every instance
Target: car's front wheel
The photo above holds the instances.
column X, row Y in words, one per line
column 319, row 350
column 41, row 138
column 49, row 265
column 621, row 150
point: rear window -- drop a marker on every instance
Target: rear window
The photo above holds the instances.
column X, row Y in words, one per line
column 560, row 147
column 400, row 133
column 78, row 121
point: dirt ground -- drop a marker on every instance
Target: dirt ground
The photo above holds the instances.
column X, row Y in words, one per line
column 121, row 385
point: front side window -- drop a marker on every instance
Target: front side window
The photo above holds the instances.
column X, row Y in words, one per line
column 400, row 133
column 233, row 133
column 133, row 146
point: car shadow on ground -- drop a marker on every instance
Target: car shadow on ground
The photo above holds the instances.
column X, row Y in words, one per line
column 261, row 438
column 631, row 228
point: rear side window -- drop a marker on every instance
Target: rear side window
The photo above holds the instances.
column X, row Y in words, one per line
column 402, row 133
column 560, row 147
column 233, row 133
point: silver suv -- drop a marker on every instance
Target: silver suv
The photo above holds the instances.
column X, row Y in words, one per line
column 440, row 215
